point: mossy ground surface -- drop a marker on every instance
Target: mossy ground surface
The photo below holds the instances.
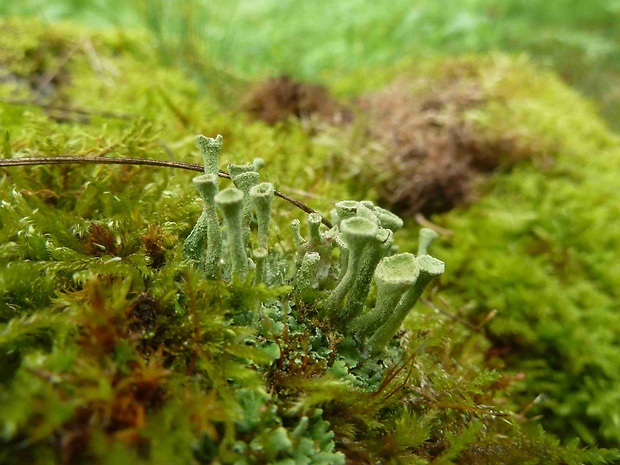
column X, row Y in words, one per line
column 115, row 350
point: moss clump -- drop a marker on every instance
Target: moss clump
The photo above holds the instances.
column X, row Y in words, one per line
column 281, row 98
column 537, row 250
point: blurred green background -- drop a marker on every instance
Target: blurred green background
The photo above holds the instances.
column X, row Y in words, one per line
column 321, row 40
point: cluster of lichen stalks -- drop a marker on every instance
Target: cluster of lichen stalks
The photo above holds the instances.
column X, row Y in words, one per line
column 362, row 232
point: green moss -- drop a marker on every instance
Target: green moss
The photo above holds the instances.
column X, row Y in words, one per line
column 114, row 349
column 539, row 248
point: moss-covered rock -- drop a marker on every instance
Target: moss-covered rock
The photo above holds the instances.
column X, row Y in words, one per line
column 115, row 349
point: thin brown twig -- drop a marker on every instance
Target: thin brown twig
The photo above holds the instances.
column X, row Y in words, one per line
column 70, row 159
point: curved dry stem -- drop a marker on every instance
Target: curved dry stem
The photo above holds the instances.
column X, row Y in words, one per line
column 72, row 159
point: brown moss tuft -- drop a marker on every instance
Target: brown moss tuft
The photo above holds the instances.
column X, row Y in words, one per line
column 434, row 152
column 109, row 331
column 429, row 151
column 280, row 98
column 156, row 244
column 101, row 241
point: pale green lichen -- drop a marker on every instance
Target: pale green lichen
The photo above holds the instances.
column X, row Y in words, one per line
column 388, row 220
column 376, row 250
column 207, row 186
column 258, row 164
column 346, row 209
column 307, row 272
column 236, row 170
column 426, row 238
column 262, row 198
column 314, row 224
column 358, row 233
column 296, row 227
column 366, row 211
column 429, row 268
column 230, row 202
column 393, row 276
column 260, row 260
column 210, row 149
column 244, row 181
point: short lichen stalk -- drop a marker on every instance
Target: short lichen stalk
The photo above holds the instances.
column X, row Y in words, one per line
column 230, row 202
column 196, row 242
column 314, row 223
column 426, row 238
column 306, row 274
column 393, row 276
column 321, row 244
column 206, row 233
column 244, row 178
column 260, row 259
column 262, row 198
column 358, row 233
column 317, row 242
column 207, row 186
column 296, row 227
column 361, row 288
column 429, row 268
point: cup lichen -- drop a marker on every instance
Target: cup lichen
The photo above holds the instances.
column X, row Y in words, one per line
column 429, row 268
column 393, row 276
column 363, row 233
column 358, row 233
column 210, row 149
column 230, row 203
column 262, row 198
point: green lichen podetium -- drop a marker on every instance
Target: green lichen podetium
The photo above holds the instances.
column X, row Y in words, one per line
column 206, row 233
column 306, row 273
column 262, row 198
column 260, row 259
column 245, row 181
column 358, row 233
column 393, row 276
column 429, row 268
column 207, row 186
column 230, row 202
column 210, row 149
column 370, row 259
